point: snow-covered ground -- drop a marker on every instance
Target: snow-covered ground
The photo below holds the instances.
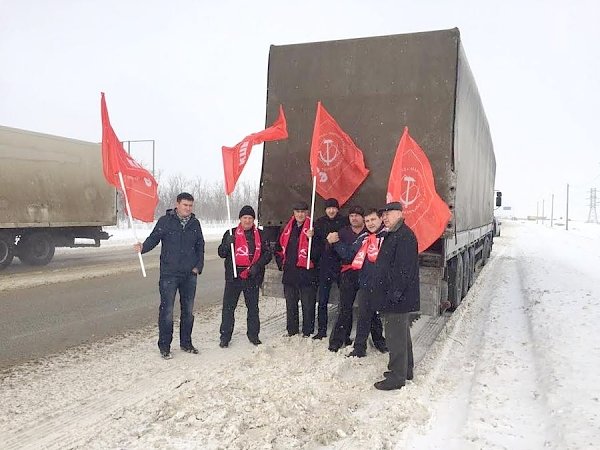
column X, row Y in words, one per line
column 516, row 367
column 123, row 235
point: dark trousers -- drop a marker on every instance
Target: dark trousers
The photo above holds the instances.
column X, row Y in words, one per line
column 231, row 295
column 325, row 284
column 368, row 321
column 343, row 325
column 307, row 296
column 168, row 285
column 397, row 333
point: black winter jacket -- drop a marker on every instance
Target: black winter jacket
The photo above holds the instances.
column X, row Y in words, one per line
column 224, row 251
column 182, row 248
column 398, row 267
column 329, row 263
column 292, row 274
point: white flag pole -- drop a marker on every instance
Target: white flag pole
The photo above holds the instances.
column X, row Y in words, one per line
column 312, row 213
column 131, row 222
column 231, row 234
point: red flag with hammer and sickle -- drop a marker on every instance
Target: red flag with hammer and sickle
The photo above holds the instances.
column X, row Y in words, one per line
column 335, row 160
column 411, row 182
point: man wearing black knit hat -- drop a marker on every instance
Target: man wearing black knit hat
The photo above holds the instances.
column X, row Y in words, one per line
column 329, row 264
column 252, row 254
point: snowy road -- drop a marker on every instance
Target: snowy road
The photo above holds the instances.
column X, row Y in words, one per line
column 88, row 295
column 515, row 368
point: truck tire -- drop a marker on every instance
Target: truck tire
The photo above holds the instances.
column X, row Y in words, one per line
column 485, row 253
column 36, row 249
column 455, row 281
column 471, row 267
column 467, row 272
column 6, row 251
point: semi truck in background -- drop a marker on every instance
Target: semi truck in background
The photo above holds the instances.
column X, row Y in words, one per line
column 374, row 87
column 52, row 192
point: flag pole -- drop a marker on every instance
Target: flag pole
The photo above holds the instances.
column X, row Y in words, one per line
column 231, row 234
column 131, row 222
column 312, row 213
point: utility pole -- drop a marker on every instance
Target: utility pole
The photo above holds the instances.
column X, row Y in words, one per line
column 593, row 215
column 567, row 222
column 543, row 214
column 537, row 212
column 552, row 212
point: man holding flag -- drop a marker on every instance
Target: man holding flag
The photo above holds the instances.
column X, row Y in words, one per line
column 181, row 261
column 252, row 254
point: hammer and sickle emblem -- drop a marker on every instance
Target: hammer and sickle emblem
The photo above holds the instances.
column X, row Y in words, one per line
column 408, row 200
column 330, row 148
column 242, row 250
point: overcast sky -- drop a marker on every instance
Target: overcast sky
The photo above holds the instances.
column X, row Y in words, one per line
column 192, row 76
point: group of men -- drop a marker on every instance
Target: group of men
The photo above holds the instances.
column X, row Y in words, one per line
column 371, row 255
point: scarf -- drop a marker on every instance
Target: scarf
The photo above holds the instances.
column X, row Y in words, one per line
column 369, row 249
column 242, row 252
column 302, row 242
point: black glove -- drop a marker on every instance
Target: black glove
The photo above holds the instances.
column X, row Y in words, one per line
column 229, row 240
column 254, row 271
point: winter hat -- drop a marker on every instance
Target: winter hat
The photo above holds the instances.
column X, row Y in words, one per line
column 247, row 210
column 392, row 206
column 332, row 203
column 300, row 206
column 357, row 210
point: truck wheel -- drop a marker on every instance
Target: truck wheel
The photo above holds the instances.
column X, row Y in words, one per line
column 6, row 251
column 455, row 281
column 485, row 253
column 467, row 270
column 36, row 249
column 471, row 266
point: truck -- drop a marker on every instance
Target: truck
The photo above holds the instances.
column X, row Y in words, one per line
column 52, row 192
column 374, row 87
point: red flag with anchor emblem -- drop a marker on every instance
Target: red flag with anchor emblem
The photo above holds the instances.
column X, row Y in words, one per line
column 411, row 182
column 235, row 158
column 140, row 185
column 335, row 160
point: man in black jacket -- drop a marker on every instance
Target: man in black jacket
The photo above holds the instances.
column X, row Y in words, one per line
column 397, row 268
column 299, row 283
column 181, row 261
column 252, row 254
column 329, row 262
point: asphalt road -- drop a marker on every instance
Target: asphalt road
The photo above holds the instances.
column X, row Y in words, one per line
column 39, row 321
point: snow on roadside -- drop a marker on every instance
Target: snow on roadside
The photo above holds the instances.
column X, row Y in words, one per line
column 519, row 369
column 514, row 368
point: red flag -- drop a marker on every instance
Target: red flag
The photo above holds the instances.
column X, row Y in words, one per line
column 140, row 185
column 337, row 163
column 411, row 182
column 235, row 158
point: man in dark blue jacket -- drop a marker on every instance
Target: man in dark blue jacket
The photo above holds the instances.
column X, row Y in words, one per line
column 362, row 255
column 252, row 254
column 397, row 269
column 181, row 261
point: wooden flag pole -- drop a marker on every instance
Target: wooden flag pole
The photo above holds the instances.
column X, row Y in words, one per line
column 131, row 222
column 312, row 213
column 231, row 234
